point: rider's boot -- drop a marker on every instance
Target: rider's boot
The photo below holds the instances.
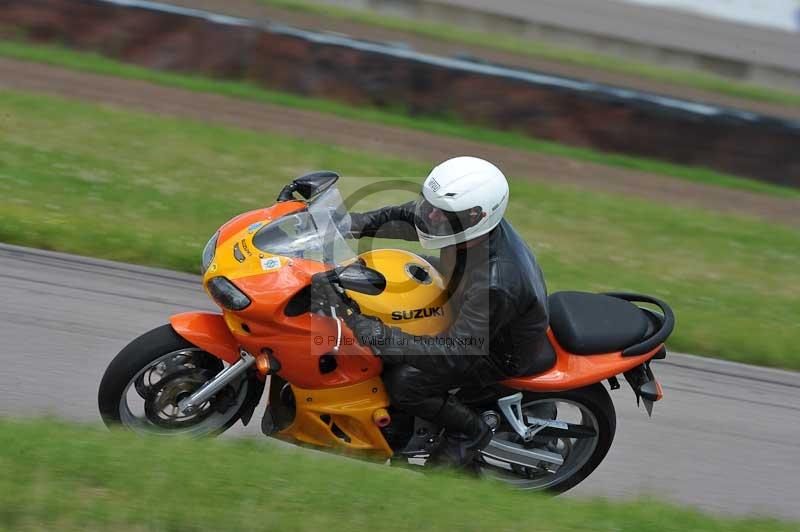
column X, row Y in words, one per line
column 465, row 434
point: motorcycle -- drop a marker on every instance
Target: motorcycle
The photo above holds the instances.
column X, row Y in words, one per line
column 203, row 372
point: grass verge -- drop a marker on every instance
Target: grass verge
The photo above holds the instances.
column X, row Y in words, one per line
column 89, row 62
column 134, row 187
column 74, row 477
column 525, row 47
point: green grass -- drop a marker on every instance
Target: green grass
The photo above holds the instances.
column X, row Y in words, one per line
column 89, row 62
column 58, row 476
column 519, row 45
column 134, row 187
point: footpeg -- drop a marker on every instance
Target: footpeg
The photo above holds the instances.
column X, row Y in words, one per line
column 511, row 407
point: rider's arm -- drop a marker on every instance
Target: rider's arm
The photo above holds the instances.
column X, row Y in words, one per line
column 390, row 222
column 486, row 309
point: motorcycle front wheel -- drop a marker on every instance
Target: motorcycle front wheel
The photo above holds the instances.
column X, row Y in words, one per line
column 144, row 383
column 589, row 408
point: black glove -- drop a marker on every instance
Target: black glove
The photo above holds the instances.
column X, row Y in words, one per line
column 367, row 330
column 389, row 343
column 325, row 295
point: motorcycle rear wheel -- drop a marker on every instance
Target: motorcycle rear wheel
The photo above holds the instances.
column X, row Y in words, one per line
column 144, row 382
column 581, row 456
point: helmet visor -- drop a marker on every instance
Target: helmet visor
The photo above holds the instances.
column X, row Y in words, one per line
column 434, row 221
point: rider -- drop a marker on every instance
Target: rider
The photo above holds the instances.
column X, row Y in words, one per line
column 495, row 284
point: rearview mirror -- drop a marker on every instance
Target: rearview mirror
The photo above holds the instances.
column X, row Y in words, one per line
column 309, row 185
column 359, row 278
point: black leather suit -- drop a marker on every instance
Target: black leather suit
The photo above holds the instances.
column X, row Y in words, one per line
column 498, row 295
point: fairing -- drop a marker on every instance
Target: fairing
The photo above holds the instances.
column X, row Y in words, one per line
column 576, row 371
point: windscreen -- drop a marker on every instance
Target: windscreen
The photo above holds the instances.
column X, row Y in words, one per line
column 317, row 233
column 333, row 225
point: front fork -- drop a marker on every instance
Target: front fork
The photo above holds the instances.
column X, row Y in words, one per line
column 211, row 388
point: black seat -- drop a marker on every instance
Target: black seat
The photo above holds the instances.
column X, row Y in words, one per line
column 588, row 324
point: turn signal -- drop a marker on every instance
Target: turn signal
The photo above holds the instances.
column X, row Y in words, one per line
column 262, row 364
column 381, row 417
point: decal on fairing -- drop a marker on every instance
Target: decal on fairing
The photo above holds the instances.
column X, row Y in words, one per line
column 271, row 264
column 246, row 249
column 417, row 313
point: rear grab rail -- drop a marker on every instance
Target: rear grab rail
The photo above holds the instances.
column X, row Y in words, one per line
column 661, row 335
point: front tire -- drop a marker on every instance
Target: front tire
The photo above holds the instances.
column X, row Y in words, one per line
column 144, row 382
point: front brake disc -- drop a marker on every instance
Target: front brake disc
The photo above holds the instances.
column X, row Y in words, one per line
column 161, row 405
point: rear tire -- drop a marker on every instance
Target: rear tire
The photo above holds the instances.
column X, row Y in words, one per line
column 597, row 402
column 596, row 399
column 138, row 355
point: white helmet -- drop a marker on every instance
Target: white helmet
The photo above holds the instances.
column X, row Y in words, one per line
column 462, row 198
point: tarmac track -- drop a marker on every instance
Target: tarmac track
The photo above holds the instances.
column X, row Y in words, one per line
column 725, row 438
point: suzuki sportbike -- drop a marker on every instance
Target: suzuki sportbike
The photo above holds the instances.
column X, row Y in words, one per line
column 203, row 372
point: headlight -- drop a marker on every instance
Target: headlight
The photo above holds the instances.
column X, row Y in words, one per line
column 227, row 295
column 208, row 253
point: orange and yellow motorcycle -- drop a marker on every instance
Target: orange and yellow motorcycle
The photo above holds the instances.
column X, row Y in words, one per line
column 203, row 372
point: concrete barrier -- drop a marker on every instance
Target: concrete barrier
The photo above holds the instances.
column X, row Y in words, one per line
column 365, row 73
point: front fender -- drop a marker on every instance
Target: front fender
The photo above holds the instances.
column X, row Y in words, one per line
column 208, row 332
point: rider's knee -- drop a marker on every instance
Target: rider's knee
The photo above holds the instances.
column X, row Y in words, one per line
column 406, row 386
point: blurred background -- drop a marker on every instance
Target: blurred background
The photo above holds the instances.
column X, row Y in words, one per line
column 652, row 146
